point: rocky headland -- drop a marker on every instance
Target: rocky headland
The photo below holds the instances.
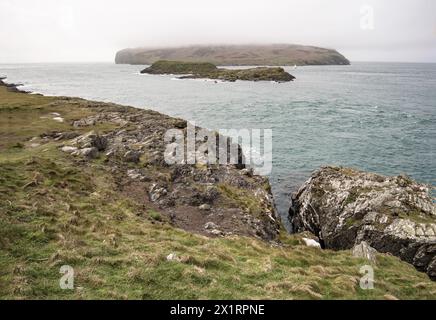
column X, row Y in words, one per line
column 84, row 183
column 236, row 55
column 204, row 70
column 11, row 87
column 344, row 207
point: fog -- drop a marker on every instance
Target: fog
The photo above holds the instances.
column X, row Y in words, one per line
column 93, row 30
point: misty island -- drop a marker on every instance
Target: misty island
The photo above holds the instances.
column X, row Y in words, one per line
column 85, row 183
column 236, row 55
column 206, row 70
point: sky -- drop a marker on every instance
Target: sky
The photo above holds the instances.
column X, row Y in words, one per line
column 93, row 30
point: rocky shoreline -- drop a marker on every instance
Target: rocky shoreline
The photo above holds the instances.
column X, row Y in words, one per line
column 344, row 207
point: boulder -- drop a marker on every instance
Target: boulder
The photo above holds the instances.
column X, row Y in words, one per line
column 156, row 192
column 311, row 243
column 365, row 251
column 205, row 207
column 344, row 207
column 90, row 140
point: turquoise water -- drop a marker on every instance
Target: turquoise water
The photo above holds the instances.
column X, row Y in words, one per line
column 379, row 117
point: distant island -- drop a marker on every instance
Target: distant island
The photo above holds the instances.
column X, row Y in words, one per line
column 195, row 70
column 236, row 55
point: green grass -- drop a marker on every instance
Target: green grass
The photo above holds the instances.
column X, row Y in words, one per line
column 55, row 211
column 154, row 215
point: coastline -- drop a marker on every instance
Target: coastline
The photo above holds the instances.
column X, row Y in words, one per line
column 77, row 191
column 126, row 116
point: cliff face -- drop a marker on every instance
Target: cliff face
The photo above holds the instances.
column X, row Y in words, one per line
column 345, row 207
column 236, row 55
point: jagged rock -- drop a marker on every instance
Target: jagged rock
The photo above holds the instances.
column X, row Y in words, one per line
column 431, row 269
column 344, row 207
column 66, row 135
column 425, row 258
column 192, row 70
column 363, row 250
column 180, row 189
column 172, row 257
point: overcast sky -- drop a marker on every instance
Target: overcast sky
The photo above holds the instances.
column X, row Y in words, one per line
column 93, row 30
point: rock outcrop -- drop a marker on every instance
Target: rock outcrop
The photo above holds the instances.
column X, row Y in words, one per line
column 204, row 70
column 12, row 87
column 344, row 207
column 228, row 196
column 365, row 251
column 236, row 55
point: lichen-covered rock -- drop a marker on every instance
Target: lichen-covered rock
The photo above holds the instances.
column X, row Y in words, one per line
column 344, row 207
column 364, row 250
column 236, row 55
column 90, row 140
column 187, row 195
column 311, row 243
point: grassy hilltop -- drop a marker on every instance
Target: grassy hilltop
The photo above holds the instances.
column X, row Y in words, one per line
column 57, row 209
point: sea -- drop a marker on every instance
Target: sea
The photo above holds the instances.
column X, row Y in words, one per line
column 379, row 117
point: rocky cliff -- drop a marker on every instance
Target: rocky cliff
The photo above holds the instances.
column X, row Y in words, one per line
column 236, row 55
column 345, row 207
